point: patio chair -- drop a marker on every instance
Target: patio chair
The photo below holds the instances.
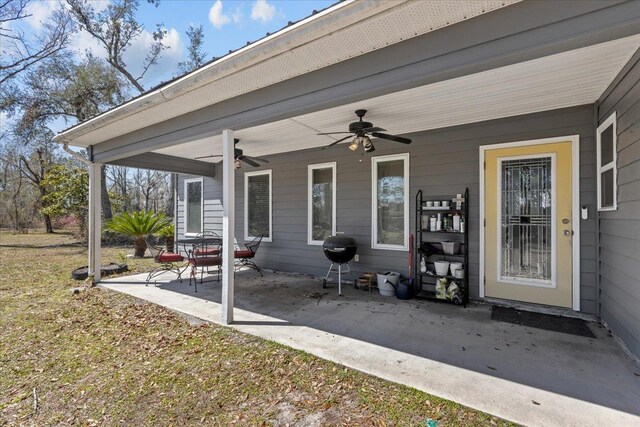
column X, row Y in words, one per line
column 208, row 250
column 203, row 256
column 166, row 260
column 244, row 257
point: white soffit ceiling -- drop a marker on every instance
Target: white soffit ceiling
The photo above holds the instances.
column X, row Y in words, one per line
column 384, row 23
column 567, row 79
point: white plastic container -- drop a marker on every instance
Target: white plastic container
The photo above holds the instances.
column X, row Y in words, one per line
column 442, row 267
column 450, row 248
column 456, row 222
column 455, row 266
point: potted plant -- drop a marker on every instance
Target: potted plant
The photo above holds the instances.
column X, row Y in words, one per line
column 138, row 225
column 168, row 233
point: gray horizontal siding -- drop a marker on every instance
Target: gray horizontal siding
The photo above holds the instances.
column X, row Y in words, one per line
column 442, row 162
column 619, row 231
column 212, row 205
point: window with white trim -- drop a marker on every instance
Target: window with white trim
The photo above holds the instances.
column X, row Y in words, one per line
column 193, row 206
column 321, row 212
column 257, row 205
column 606, row 146
column 390, row 202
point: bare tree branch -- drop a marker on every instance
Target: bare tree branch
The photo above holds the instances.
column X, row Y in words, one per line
column 19, row 53
column 115, row 28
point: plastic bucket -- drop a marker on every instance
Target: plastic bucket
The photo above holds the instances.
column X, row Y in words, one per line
column 387, row 283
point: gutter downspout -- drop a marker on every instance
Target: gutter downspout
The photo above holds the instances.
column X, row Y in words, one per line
column 65, row 147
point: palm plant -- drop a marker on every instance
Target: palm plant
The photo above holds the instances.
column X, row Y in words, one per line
column 168, row 233
column 138, row 225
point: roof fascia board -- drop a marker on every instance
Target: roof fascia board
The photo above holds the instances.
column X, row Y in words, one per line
column 482, row 43
column 162, row 162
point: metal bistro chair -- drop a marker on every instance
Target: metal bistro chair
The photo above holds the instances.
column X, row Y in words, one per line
column 204, row 255
column 208, row 249
column 244, row 257
column 166, row 260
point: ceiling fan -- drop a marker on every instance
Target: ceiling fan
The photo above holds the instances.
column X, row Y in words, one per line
column 239, row 157
column 361, row 129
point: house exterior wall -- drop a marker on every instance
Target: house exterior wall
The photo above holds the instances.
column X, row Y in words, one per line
column 442, row 162
column 619, row 252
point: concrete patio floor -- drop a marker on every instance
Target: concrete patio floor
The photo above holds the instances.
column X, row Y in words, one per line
column 526, row 375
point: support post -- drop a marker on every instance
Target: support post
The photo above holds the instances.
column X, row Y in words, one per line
column 95, row 220
column 228, row 224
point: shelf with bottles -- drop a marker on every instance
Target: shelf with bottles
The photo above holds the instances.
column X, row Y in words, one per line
column 442, row 234
column 449, row 223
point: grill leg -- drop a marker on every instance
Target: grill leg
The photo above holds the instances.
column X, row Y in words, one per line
column 329, row 272
column 339, row 279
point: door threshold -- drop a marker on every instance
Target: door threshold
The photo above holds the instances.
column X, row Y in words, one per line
column 540, row 308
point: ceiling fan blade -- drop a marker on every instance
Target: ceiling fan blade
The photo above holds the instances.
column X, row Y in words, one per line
column 248, row 161
column 336, row 142
column 257, row 159
column 391, row 137
column 207, row 157
column 373, row 129
column 332, row 133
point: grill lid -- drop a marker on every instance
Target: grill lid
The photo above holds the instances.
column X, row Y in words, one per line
column 339, row 243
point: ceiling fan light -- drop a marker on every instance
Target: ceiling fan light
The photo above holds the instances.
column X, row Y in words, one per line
column 354, row 144
column 367, row 145
column 236, row 164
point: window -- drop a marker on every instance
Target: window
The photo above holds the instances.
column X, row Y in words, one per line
column 193, row 206
column 390, row 202
column 606, row 146
column 257, row 205
column 321, row 212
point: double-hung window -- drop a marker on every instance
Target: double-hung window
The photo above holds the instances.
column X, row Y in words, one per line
column 390, row 202
column 193, row 206
column 321, row 203
column 257, row 205
column 606, row 146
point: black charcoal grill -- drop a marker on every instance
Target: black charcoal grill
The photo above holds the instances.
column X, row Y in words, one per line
column 339, row 249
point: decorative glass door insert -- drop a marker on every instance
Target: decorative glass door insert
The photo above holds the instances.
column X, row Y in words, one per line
column 526, row 220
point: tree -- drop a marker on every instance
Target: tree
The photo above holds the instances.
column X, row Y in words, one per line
column 19, row 52
column 115, row 28
column 31, row 153
column 67, row 189
column 196, row 57
column 64, row 88
column 75, row 91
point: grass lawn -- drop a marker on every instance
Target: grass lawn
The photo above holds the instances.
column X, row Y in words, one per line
column 102, row 358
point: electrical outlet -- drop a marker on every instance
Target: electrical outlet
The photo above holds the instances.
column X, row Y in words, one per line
column 356, row 258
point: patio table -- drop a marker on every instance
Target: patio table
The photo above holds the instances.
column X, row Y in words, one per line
column 190, row 246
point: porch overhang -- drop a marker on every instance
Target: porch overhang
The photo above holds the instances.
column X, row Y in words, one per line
column 166, row 163
column 505, row 37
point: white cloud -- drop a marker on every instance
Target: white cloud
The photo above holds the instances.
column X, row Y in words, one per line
column 262, row 11
column 40, row 12
column 216, row 17
column 238, row 15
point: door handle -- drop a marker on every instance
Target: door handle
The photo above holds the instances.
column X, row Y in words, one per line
column 568, row 233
